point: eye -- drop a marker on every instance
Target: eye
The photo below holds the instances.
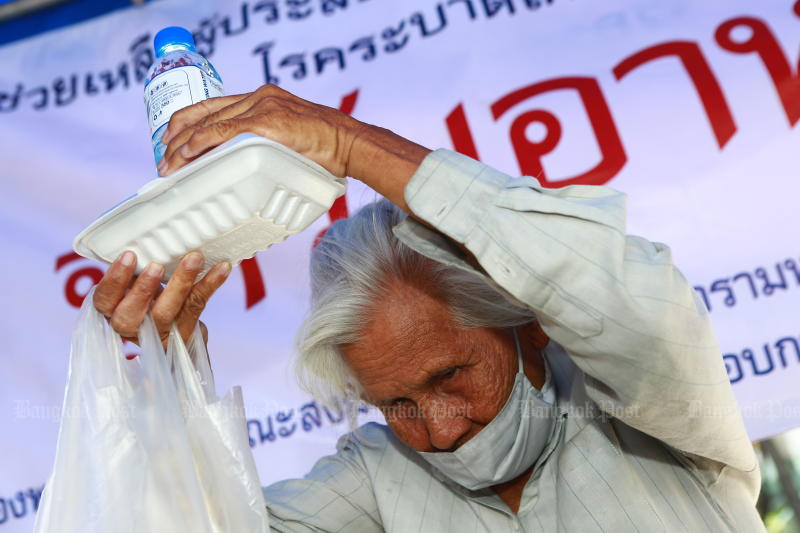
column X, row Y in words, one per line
column 394, row 402
column 399, row 409
column 450, row 372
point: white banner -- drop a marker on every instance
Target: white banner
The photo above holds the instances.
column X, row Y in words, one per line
column 689, row 107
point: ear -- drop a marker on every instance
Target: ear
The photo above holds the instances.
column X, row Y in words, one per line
column 535, row 335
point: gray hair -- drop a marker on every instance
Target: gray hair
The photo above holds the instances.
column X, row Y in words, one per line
column 350, row 268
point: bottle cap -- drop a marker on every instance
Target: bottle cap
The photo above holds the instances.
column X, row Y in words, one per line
column 172, row 36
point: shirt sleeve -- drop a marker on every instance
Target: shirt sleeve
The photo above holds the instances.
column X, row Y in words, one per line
column 336, row 495
column 614, row 302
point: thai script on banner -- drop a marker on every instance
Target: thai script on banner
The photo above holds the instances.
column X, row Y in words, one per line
column 762, row 281
column 308, row 417
column 25, row 502
column 64, row 89
column 390, row 40
column 760, row 41
column 270, row 11
column 283, row 424
column 759, row 362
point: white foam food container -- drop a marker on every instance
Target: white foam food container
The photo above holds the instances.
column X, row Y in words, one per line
column 238, row 199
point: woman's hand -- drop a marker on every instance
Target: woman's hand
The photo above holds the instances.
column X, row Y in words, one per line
column 343, row 145
column 321, row 133
column 124, row 299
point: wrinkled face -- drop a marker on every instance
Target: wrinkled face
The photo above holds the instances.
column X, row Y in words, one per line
column 437, row 384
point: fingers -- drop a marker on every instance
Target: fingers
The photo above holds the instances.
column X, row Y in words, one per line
column 129, row 312
column 196, row 141
column 125, row 300
column 170, row 301
column 184, row 121
column 198, row 298
column 187, row 121
column 206, row 137
column 187, row 116
column 111, row 289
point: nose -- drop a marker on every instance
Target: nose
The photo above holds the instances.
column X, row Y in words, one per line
column 445, row 423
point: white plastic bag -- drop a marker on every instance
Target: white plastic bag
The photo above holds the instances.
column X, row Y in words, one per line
column 145, row 445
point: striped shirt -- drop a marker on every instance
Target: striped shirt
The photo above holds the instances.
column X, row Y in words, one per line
column 648, row 436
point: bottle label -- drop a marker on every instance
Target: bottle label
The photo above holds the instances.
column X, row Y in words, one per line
column 175, row 89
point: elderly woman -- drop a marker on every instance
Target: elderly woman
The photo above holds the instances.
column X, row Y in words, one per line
column 535, row 365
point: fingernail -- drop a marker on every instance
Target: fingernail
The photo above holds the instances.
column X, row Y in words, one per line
column 165, row 136
column 162, row 166
column 127, row 258
column 193, row 260
column 224, row 269
column 155, row 270
column 185, row 151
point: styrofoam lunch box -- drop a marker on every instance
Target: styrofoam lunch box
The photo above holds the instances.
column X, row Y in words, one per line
column 240, row 198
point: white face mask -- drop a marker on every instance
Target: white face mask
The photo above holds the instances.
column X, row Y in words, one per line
column 507, row 446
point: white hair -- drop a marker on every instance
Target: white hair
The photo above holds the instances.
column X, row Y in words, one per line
column 350, row 270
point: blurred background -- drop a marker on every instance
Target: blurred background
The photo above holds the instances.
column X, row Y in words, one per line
column 691, row 108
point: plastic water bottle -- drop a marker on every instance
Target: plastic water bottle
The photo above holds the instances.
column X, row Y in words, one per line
column 178, row 78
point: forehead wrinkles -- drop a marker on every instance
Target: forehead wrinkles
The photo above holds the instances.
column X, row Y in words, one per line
column 404, row 362
column 409, row 334
column 398, row 367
